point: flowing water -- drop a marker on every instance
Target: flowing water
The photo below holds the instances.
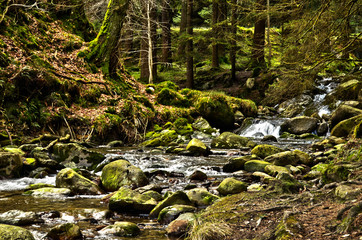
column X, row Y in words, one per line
column 167, row 170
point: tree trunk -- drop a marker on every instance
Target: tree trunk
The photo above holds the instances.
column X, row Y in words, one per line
column 189, row 47
column 215, row 31
column 166, row 34
column 103, row 50
column 183, row 25
column 257, row 55
column 233, row 40
column 223, row 29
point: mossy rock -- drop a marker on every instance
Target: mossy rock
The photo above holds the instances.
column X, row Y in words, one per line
column 231, row 186
column 170, row 213
column 50, row 192
column 344, row 112
column 65, row 231
column 122, row 229
column 256, row 165
column 19, row 218
column 122, row 173
column 237, row 163
column 335, row 173
column 170, row 97
column 216, row 110
column 346, row 127
column 273, row 170
column 230, row 140
column 8, row 232
column 201, row 197
column 126, row 200
column 265, row 150
column 284, row 158
column 284, row 183
column 288, row 228
column 348, row 90
column 177, row 198
column 39, row 185
column 68, row 178
column 300, row 125
column 198, row 148
column 11, row 165
column 68, row 153
column 202, row 125
column 348, row 192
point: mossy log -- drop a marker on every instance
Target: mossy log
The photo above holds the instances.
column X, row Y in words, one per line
column 103, row 50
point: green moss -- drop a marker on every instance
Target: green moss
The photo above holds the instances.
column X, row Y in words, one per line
column 170, row 97
column 335, row 173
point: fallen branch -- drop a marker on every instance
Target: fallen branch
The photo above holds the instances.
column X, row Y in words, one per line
column 10, row 138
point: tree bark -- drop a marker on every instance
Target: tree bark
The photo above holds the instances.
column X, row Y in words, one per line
column 183, row 26
column 189, row 47
column 233, row 40
column 166, row 35
column 215, row 31
column 257, row 56
column 103, row 50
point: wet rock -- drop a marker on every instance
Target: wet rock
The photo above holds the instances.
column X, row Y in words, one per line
column 68, row 178
column 177, row 228
column 230, row 140
column 126, row 200
column 122, row 173
column 177, row 198
column 348, row 192
column 345, row 127
column 39, row 185
column 236, row 164
column 198, row 148
column 43, row 158
column 153, row 194
column 348, row 90
column 265, row 150
column 256, row 165
column 122, row 229
column 13, row 232
column 289, row 158
column 344, row 112
column 50, row 192
column 28, row 147
column 14, row 150
column 255, row 187
column 67, row 231
column 29, row 163
column 20, row 218
column 116, row 143
column 322, row 129
column 170, row 213
column 300, row 125
column 40, row 172
column 201, row 197
column 269, row 138
column 293, row 107
column 70, row 154
column 273, row 170
column 231, row 186
column 11, row 165
column 198, row 176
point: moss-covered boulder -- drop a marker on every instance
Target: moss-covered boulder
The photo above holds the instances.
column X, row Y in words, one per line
column 68, row 178
column 177, row 198
column 170, row 213
column 43, row 158
column 163, row 138
column 180, row 226
column 126, row 200
column 216, row 110
column 335, row 173
column 348, row 191
column 71, row 153
column 273, row 170
column 69, row 231
column 288, row 227
column 231, row 186
column 170, row 97
column 300, row 125
column 20, row 218
column 346, row 127
column 348, row 90
column 11, row 165
column 230, row 140
column 237, row 163
column 344, row 112
column 50, row 192
column 8, row 232
column 256, row 165
column 288, row 158
column 122, row 173
column 202, row 125
column 265, row 150
column 198, row 148
column 285, row 183
column 122, row 229
column 201, row 197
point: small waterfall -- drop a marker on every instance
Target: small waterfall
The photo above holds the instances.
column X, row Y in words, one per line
column 325, row 86
column 262, row 127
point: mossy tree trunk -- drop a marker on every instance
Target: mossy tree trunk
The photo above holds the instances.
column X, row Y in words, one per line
column 257, row 55
column 189, row 47
column 103, row 50
column 233, row 39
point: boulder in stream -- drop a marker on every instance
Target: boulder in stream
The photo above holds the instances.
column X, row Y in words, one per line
column 69, row 231
column 198, row 148
column 170, row 213
column 256, row 166
column 231, row 186
column 68, row 178
column 230, row 140
column 121, row 229
column 344, row 112
column 11, row 165
column 300, row 125
column 265, row 150
column 201, row 197
column 50, row 192
column 178, row 228
column 289, row 158
column 126, row 200
column 348, row 90
column 19, row 218
column 346, row 127
column 13, row 232
column 75, row 155
column 122, row 173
